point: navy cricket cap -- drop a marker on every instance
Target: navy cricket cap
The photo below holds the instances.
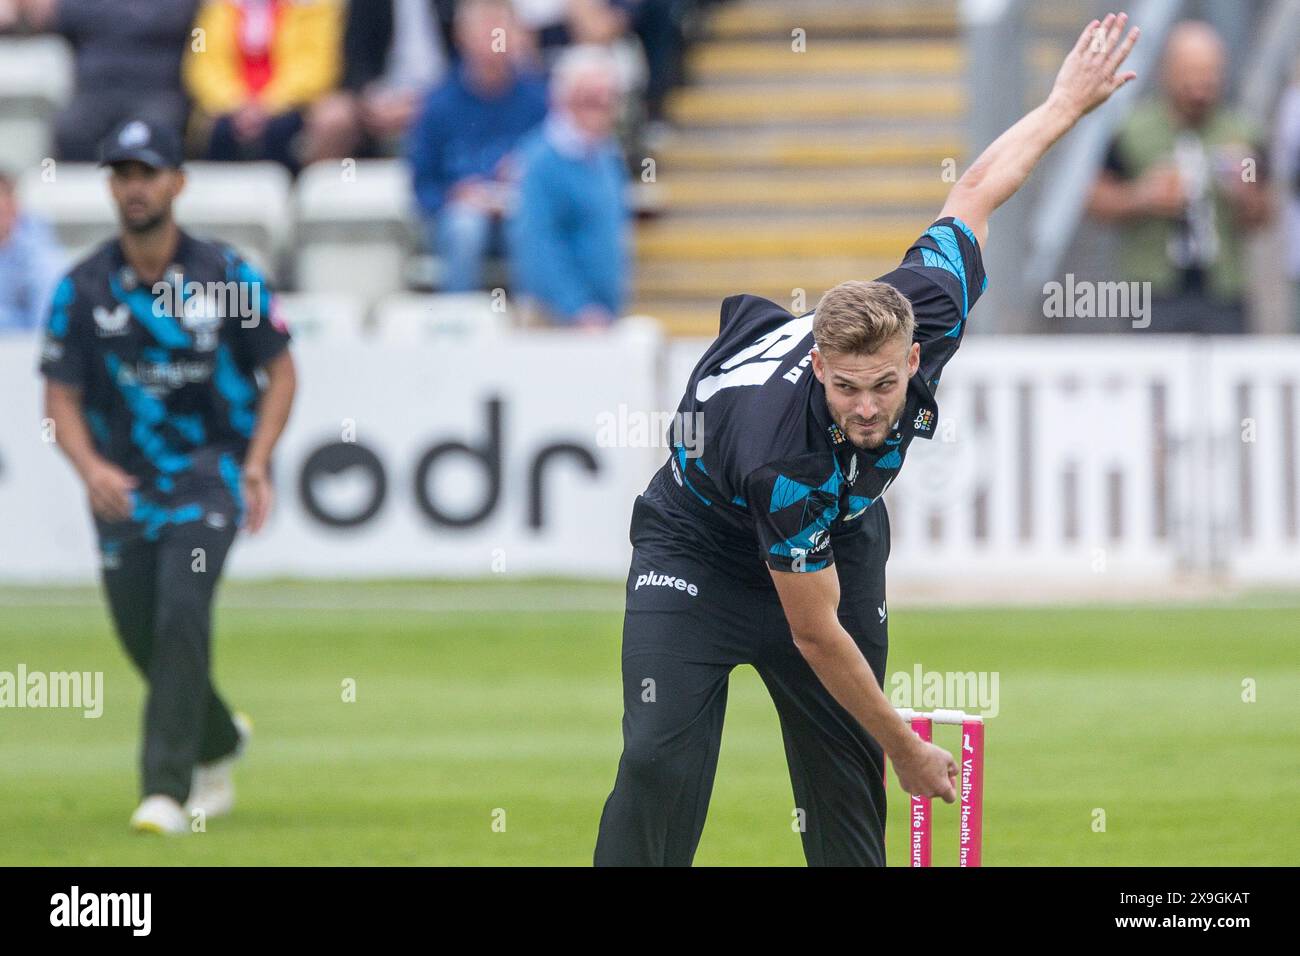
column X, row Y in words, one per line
column 144, row 142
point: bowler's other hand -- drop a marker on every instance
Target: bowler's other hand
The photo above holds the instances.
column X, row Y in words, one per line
column 1090, row 74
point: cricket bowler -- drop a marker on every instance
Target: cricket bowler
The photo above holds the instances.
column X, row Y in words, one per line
column 768, row 547
column 168, row 382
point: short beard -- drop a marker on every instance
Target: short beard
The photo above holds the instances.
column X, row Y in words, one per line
column 898, row 413
column 868, row 447
column 146, row 226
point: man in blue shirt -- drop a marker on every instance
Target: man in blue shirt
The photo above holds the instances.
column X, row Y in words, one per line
column 153, row 352
column 763, row 539
column 569, row 233
column 459, row 148
column 31, row 263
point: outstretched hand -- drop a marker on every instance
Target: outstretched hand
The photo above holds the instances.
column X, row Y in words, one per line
column 1090, row 74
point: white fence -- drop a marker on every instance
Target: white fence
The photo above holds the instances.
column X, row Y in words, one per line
column 1056, row 459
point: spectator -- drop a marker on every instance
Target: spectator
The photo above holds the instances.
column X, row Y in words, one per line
column 127, row 63
column 459, row 148
column 569, row 233
column 262, row 64
column 31, row 264
column 393, row 53
column 1288, row 166
column 1178, row 181
column 656, row 23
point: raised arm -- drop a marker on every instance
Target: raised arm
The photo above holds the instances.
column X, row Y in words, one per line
column 1088, row 77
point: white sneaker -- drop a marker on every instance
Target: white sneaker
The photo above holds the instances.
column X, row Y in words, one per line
column 212, row 791
column 160, row 814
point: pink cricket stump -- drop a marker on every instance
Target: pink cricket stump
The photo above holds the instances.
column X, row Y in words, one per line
column 920, row 834
column 971, row 843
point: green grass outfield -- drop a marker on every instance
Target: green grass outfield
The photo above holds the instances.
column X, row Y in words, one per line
column 476, row 697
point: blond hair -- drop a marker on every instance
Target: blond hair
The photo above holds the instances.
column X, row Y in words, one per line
column 860, row 317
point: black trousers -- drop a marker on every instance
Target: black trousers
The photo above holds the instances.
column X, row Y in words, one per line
column 160, row 593
column 678, row 651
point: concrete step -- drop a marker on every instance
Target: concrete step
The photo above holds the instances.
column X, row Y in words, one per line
column 774, row 19
column 739, row 104
column 693, row 192
column 847, row 59
column 773, row 278
column 767, row 150
column 719, row 238
column 795, row 171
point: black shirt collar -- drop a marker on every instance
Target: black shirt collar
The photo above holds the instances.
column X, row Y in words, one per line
column 825, row 427
column 180, row 256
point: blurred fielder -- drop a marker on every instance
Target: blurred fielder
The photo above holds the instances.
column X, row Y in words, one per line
column 740, row 551
column 150, row 355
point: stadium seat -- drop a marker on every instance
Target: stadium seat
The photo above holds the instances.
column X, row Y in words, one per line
column 639, row 331
column 405, row 318
column 322, row 317
column 35, row 80
column 245, row 204
column 73, row 198
column 354, row 227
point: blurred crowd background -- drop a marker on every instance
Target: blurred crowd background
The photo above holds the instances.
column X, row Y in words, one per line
column 468, row 164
